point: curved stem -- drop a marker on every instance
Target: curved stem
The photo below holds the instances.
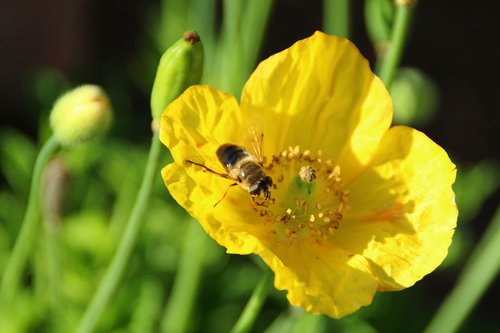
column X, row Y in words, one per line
column 391, row 60
column 115, row 270
column 480, row 271
column 22, row 247
column 252, row 309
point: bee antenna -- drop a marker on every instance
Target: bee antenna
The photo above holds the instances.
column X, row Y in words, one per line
column 225, row 192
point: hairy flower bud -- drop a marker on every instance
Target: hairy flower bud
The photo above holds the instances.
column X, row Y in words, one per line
column 180, row 67
column 81, row 114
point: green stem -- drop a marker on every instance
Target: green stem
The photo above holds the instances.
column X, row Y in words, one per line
column 379, row 16
column 336, row 20
column 243, row 30
column 55, row 179
column 309, row 322
column 254, row 305
column 122, row 255
column 179, row 308
column 173, row 23
column 203, row 21
column 391, row 60
column 147, row 307
column 203, row 17
column 54, row 271
column 232, row 46
column 27, row 235
column 477, row 275
column 253, row 27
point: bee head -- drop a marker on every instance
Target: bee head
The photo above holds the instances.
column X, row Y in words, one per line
column 262, row 186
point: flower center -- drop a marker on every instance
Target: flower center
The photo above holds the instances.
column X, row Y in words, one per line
column 308, row 198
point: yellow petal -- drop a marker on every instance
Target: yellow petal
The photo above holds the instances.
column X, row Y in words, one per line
column 198, row 122
column 194, row 193
column 322, row 279
column 320, row 94
column 403, row 211
column 193, row 127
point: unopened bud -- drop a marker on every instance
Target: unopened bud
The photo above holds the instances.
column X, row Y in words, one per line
column 180, row 67
column 81, row 114
column 415, row 97
column 54, row 190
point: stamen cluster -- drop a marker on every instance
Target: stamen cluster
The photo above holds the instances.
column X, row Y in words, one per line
column 309, row 197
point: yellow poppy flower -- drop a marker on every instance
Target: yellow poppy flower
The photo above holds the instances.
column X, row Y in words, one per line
column 356, row 207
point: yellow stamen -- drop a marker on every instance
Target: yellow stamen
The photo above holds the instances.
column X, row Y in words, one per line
column 306, row 183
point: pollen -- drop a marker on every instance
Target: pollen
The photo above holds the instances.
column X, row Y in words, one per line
column 307, row 173
column 310, row 199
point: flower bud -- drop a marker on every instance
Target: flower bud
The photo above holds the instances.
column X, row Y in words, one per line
column 56, row 178
column 180, row 67
column 81, row 114
column 415, row 97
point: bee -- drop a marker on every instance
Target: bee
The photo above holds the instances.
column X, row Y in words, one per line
column 244, row 168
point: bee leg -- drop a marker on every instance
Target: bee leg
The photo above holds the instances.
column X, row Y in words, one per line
column 225, row 193
column 207, row 169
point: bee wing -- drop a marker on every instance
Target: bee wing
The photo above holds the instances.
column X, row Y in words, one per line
column 254, row 138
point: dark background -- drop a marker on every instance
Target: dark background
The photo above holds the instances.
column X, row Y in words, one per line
column 454, row 42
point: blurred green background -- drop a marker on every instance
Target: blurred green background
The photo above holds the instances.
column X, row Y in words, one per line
column 447, row 88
